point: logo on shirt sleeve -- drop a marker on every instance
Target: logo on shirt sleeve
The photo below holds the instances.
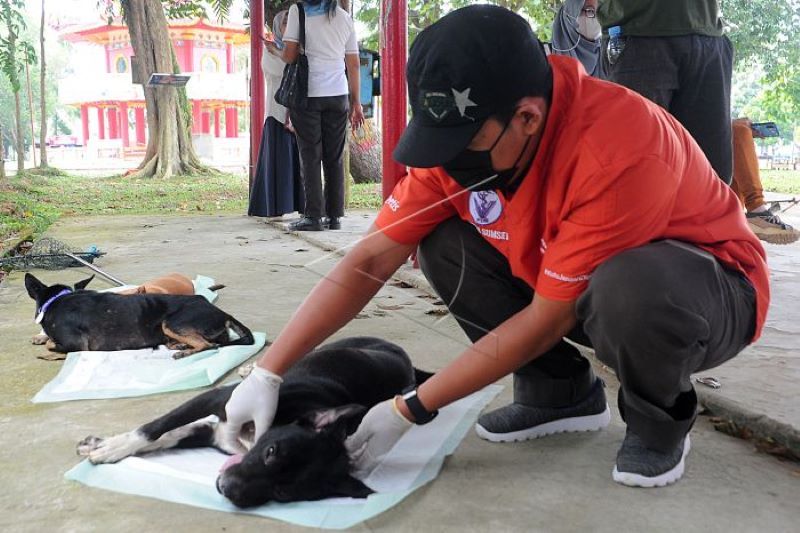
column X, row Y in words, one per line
column 393, row 204
column 485, row 207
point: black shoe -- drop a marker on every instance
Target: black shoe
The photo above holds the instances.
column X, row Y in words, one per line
column 334, row 223
column 306, row 224
column 639, row 466
column 518, row 422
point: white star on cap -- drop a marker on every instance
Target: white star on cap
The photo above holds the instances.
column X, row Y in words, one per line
column 463, row 101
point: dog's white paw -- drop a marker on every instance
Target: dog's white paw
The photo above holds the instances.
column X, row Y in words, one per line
column 118, row 447
column 245, row 369
column 226, row 442
column 88, row 445
column 40, row 339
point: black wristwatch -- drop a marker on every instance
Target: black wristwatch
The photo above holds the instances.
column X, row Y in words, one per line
column 418, row 411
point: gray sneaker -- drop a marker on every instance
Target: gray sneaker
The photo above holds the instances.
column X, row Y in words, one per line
column 639, row 466
column 518, row 422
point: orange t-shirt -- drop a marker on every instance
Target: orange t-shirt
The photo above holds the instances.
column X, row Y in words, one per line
column 613, row 171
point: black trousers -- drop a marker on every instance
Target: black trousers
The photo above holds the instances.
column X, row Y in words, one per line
column 655, row 314
column 689, row 76
column 321, row 129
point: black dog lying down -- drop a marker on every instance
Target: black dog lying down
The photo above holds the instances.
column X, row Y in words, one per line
column 78, row 319
column 302, row 456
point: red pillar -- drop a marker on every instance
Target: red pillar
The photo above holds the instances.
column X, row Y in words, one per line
column 205, row 124
column 85, row 122
column 229, row 57
column 393, row 86
column 189, row 45
column 101, row 122
column 123, row 124
column 216, row 122
column 109, row 65
column 113, row 123
column 140, row 126
column 231, row 122
column 256, row 82
column 196, row 117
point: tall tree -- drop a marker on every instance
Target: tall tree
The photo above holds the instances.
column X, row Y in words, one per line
column 766, row 38
column 43, row 96
column 14, row 54
column 169, row 146
column 2, row 159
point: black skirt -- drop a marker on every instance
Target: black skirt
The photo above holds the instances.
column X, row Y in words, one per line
column 277, row 187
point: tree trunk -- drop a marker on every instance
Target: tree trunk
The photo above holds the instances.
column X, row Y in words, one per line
column 43, row 99
column 30, row 111
column 169, row 147
column 20, row 140
column 3, row 180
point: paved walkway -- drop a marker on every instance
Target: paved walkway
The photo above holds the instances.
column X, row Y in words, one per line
column 561, row 483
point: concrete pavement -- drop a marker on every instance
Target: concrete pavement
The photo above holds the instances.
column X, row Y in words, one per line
column 561, row 483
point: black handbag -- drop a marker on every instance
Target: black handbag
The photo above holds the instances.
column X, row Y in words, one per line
column 293, row 91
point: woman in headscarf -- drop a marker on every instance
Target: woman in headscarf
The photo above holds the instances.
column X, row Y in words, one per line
column 277, row 187
column 576, row 33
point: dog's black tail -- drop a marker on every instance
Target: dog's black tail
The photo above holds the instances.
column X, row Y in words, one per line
column 244, row 333
column 421, row 376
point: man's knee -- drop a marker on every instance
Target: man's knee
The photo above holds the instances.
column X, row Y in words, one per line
column 444, row 248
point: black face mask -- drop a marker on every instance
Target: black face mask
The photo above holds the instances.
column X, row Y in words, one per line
column 473, row 169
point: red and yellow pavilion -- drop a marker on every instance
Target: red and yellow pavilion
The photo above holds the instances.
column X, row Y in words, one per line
column 114, row 106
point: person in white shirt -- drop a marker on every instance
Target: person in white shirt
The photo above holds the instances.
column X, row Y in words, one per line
column 277, row 188
column 333, row 89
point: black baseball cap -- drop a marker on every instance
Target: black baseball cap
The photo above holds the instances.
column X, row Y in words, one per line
column 471, row 64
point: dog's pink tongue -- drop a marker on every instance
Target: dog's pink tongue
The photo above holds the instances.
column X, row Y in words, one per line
column 232, row 460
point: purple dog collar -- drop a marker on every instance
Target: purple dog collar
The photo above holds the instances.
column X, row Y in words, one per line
column 42, row 310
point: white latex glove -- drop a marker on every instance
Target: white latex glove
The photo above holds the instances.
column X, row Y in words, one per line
column 254, row 399
column 379, row 431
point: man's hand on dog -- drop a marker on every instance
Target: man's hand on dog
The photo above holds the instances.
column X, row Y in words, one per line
column 379, row 431
column 254, row 400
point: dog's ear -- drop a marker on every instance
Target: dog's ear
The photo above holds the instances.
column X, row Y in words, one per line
column 341, row 420
column 33, row 285
column 82, row 284
column 352, row 487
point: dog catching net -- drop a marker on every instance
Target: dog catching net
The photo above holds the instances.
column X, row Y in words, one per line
column 48, row 254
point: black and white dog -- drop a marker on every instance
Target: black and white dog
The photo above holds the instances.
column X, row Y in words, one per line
column 302, row 456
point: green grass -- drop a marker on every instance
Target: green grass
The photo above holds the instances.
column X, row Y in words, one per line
column 31, row 202
column 34, row 200
column 365, row 196
column 781, row 181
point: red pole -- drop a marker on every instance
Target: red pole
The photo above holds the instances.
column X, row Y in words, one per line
column 197, row 117
column 113, row 123
column 394, row 42
column 231, row 122
column 85, row 122
column 256, row 82
column 123, row 126
column 139, row 115
column 101, row 121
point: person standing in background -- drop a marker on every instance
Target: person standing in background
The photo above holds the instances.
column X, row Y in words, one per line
column 277, row 188
column 675, row 54
column 576, row 33
column 747, row 185
column 321, row 127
